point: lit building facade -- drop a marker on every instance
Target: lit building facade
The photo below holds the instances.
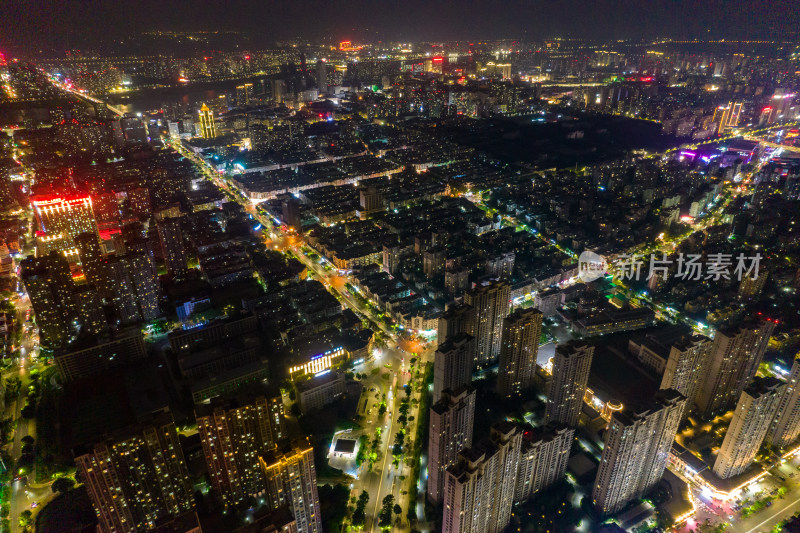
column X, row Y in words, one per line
column 571, row 365
column 291, row 479
column 685, row 364
column 479, row 489
column 450, row 431
column 490, row 305
column 751, row 421
column 637, row 445
column 318, row 363
column 208, row 128
column 733, row 361
column 48, row 283
column 522, row 330
column 786, row 426
column 452, row 364
column 172, row 246
column 233, row 439
column 137, row 481
column 543, row 459
column 66, row 216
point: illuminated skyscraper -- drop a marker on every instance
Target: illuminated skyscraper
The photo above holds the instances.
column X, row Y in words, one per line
column 479, row 489
column 291, row 479
column 750, row 423
column 207, row 126
column 49, row 285
column 69, row 217
column 685, row 365
column 635, row 453
column 452, row 364
column 322, row 76
column 456, row 319
column 243, row 94
column 571, row 365
column 521, row 332
column 88, row 307
column 172, row 246
column 728, row 116
column 233, row 438
column 140, row 272
column 91, row 255
column 543, row 459
column 490, row 306
column 786, row 426
column 733, row 361
column 450, row 431
column 123, row 293
column 137, row 481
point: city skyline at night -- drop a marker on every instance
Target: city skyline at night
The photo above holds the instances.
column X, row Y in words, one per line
column 412, row 267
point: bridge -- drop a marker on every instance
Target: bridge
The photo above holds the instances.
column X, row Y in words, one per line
column 92, row 99
column 783, row 147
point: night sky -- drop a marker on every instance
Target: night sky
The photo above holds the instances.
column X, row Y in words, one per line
column 67, row 23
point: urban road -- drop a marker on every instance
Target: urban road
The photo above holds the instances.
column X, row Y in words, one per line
column 384, row 479
column 761, row 521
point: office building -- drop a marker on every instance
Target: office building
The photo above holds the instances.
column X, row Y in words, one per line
column 450, row 431
column 278, row 88
column 208, row 129
column 571, row 365
column 751, row 421
column 137, row 481
column 172, row 246
column 543, row 459
column 48, row 283
column 685, row 366
column 490, row 305
column 452, row 364
column 733, row 361
column 522, row 330
column 479, row 489
column 233, row 437
column 320, row 390
column 291, row 479
column 786, row 425
column 215, row 331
